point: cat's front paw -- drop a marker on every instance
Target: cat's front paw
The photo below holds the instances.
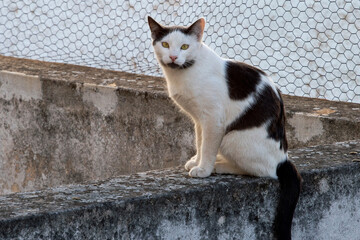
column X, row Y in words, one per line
column 191, row 163
column 200, row 172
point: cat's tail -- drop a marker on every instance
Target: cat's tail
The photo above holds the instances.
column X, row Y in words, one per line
column 290, row 187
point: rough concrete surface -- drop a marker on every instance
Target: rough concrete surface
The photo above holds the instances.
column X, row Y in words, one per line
column 71, row 135
column 167, row 204
column 316, row 121
column 72, row 124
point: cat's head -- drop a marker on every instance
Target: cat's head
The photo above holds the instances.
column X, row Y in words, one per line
column 176, row 47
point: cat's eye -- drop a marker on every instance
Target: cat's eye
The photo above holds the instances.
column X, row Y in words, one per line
column 165, row 44
column 184, row 46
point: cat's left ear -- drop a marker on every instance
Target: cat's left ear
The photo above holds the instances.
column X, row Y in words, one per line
column 197, row 28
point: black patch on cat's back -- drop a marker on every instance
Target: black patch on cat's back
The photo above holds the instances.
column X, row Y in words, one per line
column 276, row 128
column 242, row 79
column 268, row 107
column 263, row 110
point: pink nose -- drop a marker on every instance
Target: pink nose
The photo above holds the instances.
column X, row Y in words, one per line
column 173, row 58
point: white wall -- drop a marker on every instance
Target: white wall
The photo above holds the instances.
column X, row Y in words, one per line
column 310, row 48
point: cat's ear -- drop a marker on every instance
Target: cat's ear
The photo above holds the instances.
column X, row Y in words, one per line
column 197, row 28
column 155, row 28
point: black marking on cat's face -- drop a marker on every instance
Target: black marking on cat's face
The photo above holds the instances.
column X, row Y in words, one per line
column 158, row 31
column 242, row 79
column 268, row 107
column 186, row 65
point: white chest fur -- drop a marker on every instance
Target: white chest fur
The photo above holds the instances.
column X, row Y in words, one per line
column 201, row 89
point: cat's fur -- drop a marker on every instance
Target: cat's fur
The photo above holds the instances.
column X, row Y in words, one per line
column 237, row 110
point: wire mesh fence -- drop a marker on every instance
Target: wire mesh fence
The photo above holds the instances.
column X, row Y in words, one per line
column 309, row 48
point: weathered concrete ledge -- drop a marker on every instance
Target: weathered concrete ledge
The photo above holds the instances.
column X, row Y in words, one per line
column 167, row 204
column 62, row 124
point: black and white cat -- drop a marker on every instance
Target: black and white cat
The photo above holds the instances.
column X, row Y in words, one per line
column 237, row 110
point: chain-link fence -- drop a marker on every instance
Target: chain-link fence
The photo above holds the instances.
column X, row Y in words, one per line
column 310, row 48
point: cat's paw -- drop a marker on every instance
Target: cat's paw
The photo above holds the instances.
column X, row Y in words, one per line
column 200, row 172
column 191, row 163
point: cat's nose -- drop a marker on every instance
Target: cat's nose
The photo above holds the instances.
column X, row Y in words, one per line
column 173, row 58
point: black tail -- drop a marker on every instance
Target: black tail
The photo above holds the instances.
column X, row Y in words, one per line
column 290, row 186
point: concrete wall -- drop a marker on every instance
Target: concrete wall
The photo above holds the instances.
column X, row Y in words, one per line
column 62, row 124
column 310, row 48
column 167, row 204
column 59, row 132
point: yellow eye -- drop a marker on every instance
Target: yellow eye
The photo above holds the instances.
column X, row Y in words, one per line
column 184, row 46
column 165, row 44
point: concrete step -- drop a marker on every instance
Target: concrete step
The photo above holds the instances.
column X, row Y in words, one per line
column 63, row 124
column 167, row 204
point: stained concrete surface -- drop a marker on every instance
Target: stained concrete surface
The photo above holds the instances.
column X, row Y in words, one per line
column 78, row 124
column 167, row 204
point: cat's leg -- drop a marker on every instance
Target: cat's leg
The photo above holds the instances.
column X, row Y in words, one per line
column 212, row 134
column 194, row 161
column 224, row 166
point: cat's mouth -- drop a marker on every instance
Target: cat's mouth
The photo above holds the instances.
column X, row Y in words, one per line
column 173, row 65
